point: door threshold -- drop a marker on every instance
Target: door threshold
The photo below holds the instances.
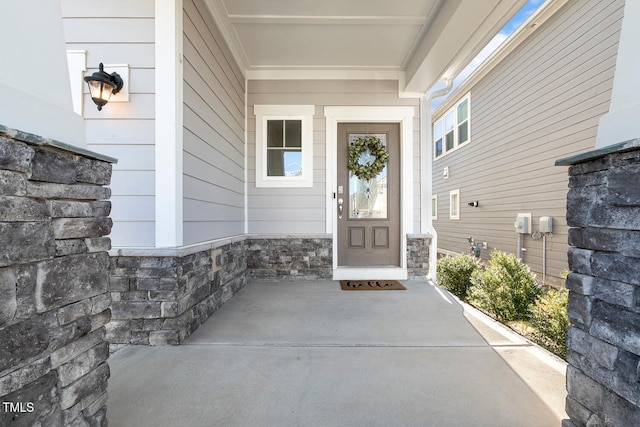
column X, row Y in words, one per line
column 370, row 273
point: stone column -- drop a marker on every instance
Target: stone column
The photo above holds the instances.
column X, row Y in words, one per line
column 54, row 300
column 418, row 256
column 603, row 207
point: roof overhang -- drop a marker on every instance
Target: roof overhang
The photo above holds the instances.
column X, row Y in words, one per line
column 416, row 42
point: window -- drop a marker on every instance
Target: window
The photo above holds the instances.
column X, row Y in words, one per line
column 284, row 145
column 452, row 130
column 454, row 204
column 462, row 119
column 437, row 137
column 434, row 206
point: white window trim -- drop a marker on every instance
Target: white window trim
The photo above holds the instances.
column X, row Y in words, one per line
column 434, row 212
column 453, row 109
column 454, row 215
column 284, row 112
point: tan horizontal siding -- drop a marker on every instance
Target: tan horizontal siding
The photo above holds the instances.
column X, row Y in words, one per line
column 111, row 9
column 109, row 30
column 121, row 32
column 213, row 136
column 216, row 54
column 138, row 55
column 302, row 210
column 541, row 103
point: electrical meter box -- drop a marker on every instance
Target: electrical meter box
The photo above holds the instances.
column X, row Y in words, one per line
column 546, row 224
column 523, row 224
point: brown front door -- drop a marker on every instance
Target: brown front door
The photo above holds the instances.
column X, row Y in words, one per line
column 368, row 211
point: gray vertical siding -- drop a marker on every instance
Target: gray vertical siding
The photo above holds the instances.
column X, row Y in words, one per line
column 214, row 96
column 302, row 210
column 121, row 32
column 541, row 103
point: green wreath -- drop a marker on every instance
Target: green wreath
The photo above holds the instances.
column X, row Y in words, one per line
column 370, row 169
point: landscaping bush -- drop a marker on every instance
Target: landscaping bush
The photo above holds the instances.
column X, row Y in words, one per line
column 454, row 274
column 506, row 289
column 549, row 316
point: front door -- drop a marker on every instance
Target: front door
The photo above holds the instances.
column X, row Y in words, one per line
column 368, row 210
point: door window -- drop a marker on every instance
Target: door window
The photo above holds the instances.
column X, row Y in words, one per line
column 368, row 198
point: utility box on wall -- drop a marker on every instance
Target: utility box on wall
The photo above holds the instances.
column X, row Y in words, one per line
column 546, row 224
column 523, row 223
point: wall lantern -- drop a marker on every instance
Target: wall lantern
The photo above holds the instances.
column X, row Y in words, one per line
column 103, row 85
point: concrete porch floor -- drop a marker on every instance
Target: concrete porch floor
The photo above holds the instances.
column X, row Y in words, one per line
column 310, row 354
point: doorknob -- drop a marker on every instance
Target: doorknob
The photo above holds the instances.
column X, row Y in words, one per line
column 340, row 206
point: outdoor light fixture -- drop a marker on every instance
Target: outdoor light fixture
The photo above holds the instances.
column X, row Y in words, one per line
column 474, row 204
column 103, row 85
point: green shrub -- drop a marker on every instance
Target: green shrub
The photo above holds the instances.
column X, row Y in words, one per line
column 454, row 274
column 549, row 316
column 506, row 289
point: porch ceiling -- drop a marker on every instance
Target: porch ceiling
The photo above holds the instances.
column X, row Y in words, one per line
column 416, row 41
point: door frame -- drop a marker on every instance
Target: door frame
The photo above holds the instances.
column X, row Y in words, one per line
column 358, row 114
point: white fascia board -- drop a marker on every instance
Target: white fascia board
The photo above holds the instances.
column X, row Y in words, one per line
column 459, row 32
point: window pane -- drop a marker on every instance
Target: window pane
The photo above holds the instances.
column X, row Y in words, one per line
column 275, row 163
column 292, row 163
column 368, row 199
column 439, row 147
column 293, row 133
column 453, row 208
column 449, row 139
column 274, row 133
column 437, row 130
column 463, row 111
column 449, row 122
column 463, row 132
column 284, row 162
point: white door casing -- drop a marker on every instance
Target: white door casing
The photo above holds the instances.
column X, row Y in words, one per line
column 351, row 114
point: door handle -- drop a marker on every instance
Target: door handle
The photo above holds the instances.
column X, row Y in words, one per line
column 340, row 206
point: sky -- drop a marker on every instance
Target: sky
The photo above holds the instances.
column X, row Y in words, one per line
column 514, row 23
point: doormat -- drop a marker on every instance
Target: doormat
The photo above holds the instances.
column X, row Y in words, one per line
column 371, row 285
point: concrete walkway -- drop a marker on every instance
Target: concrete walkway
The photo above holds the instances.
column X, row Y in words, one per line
column 310, row 354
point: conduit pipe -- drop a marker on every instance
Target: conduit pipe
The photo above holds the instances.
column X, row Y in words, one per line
column 544, row 259
column 426, row 173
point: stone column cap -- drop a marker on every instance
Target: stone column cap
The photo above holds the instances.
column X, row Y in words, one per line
column 32, row 139
column 632, row 144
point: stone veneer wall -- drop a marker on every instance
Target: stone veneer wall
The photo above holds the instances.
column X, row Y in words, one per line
column 603, row 206
column 418, row 256
column 159, row 300
column 290, row 257
column 312, row 257
column 54, row 301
